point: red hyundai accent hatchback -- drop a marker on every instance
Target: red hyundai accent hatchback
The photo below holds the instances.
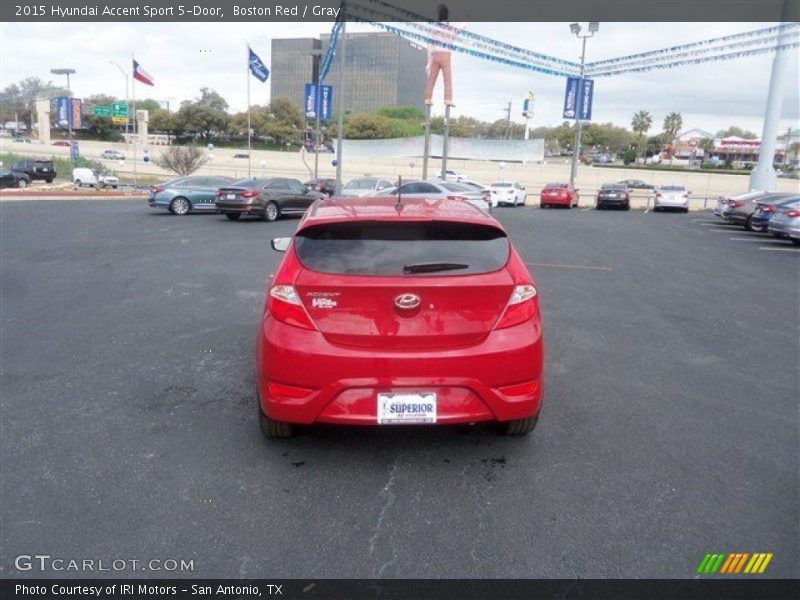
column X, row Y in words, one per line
column 384, row 313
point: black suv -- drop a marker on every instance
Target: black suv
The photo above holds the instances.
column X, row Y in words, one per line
column 36, row 169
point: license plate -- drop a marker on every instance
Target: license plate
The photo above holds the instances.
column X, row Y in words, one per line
column 231, row 196
column 406, row 408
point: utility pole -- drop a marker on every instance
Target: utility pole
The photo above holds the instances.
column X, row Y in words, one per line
column 508, row 121
column 341, row 81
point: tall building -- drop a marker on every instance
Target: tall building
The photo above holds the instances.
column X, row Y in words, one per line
column 382, row 70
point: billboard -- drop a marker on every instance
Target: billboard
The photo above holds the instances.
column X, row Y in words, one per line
column 325, row 102
column 69, row 112
column 76, row 113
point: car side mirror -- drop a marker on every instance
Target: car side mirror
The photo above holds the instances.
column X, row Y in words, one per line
column 281, row 244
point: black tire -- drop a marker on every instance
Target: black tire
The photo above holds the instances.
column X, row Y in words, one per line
column 519, row 426
column 627, row 207
column 48, row 181
column 272, row 211
column 748, row 224
column 685, row 211
column 22, row 184
column 77, row 183
column 180, row 206
column 274, row 430
column 233, row 216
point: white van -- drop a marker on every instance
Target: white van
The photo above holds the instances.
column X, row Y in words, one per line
column 84, row 176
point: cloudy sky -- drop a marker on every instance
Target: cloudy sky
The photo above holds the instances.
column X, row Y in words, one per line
column 184, row 57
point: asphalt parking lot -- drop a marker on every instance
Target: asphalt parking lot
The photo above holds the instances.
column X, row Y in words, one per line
column 128, row 429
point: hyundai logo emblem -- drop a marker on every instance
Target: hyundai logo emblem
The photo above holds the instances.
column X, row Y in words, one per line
column 407, row 301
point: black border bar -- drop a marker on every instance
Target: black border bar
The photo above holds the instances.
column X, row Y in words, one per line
column 14, row 11
column 734, row 588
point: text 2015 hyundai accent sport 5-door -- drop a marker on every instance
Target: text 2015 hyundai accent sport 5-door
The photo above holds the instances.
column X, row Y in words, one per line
column 400, row 312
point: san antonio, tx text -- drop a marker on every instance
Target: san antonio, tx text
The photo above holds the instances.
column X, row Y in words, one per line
column 132, row 589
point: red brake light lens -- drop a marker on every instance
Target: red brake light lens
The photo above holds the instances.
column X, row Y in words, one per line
column 737, row 204
column 456, row 198
column 278, row 390
column 521, row 306
column 156, row 189
column 792, row 213
column 767, row 208
column 250, row 194
column 285, row 305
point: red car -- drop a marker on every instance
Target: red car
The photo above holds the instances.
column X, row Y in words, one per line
column 61, row 143
column 407, row 312
column 558, row 194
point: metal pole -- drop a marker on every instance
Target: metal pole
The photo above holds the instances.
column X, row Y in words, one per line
column 763, row 177
column 340, row 83
column 426, row 152
column 573, row 171
column 445, row 140
column 135, row 141
column 317, row 107
column 247, row 75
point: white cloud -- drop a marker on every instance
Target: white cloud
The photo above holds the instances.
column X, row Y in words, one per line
column 183, row 57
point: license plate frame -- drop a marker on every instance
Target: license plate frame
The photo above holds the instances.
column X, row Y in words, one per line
column 407, row 408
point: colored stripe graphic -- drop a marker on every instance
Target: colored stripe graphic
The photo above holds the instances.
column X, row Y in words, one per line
column 734, row 563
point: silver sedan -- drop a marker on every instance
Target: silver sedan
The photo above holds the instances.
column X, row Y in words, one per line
column 440, row 189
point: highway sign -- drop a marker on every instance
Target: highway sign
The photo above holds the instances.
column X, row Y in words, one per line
column 102, row 111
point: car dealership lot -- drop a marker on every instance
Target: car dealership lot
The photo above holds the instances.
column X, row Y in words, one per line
column 128, row 425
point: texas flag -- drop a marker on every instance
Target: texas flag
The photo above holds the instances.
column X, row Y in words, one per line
column 142, row 75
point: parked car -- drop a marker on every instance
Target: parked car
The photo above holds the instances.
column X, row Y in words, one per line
column 62, row 143
column 365, row 186
column 194, row 193
column 36, row 169
column 671, row 196
column 614, row 195
column 786, row 223
column 268, row 198
column 505, row 192
column 558, row 194
column 21, row 140
column 378, row 316
column 12, row 179
column 725, row 203
column 740, row 212
column 636, row 184
column 759, row 220
column 436, row 189
column 485, row 191
column 84, row 176
column 326, row 186
column 451, row 175
column 112, row 155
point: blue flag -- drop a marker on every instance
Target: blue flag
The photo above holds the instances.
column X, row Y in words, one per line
column 257, row 68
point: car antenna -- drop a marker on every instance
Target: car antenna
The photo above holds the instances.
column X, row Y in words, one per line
column 399, row 205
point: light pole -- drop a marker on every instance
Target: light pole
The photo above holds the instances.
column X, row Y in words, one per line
column 68, row 72
column 317, row 107
column 127, row 107
column 575, row 28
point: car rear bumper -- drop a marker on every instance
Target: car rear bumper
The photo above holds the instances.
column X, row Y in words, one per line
column 556, row 200
column 241, row 209
column 612, row 202
column 343, row 382
column 667, row 203
column 785, row 229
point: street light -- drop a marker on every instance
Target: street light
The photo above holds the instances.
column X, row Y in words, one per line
column 127, row 108
column 317, row 97
column 576, row 29
column 68, row 72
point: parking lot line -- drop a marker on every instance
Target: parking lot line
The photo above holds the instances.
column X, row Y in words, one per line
column 726, row 230
column 566, row 266
column 746, row 239
column 778, row 249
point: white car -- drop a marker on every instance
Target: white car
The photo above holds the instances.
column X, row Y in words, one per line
column 451, row 175
column 112, row 155
column 82, row 176
column 508, row 192
column 440, row 189
column 365, row 186
column 672, row 196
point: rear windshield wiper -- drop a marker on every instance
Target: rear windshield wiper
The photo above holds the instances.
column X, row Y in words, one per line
column 432, row 267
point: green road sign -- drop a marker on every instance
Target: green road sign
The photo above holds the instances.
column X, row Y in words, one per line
column 120, row 109
column 102, row 111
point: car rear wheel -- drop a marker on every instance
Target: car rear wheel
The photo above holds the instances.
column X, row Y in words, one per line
column 519, row 426
column 179, row 206
column 748, row 224
column 48, row 181
column 272, row 429
column 271, row 212
column 233, row 216
column 22, row 183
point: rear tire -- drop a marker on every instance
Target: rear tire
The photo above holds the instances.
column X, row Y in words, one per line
column 519, row 426
column 180, row 206
column 274, row 430
column 271, row 211
column 748, row 224
column 22, row 184
column 233, row 216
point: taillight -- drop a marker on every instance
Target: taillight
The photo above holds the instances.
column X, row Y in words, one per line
column 792, row 213
column 456, row 197
column 249, row 194
column 285, row 305
column 290, row 392
column 509, row 191
column 658, row 194
column 767, row 208
column 220, row 193
column 320, row 187
column 737, row 204
column 156, row 189
column 521, row 307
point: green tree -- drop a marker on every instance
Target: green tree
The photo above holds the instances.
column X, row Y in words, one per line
column 101, row 128
column 673, row 123
column 641, row 123
column 734, row 131
column 202, row 121
column 211, row 99
column 401, row 112
column 367, row 127
column 164, row 121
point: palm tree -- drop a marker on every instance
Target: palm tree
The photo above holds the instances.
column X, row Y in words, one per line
column 673, row 123
column 641, row 123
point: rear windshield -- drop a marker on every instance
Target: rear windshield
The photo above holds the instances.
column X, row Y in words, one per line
column 672, row 188
column 455, row 187
column 556, row 185
column 433, row 248
column 613, row 186
column 250, row 183
column 361, row 184
column 43, row 163
column 501, row 185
